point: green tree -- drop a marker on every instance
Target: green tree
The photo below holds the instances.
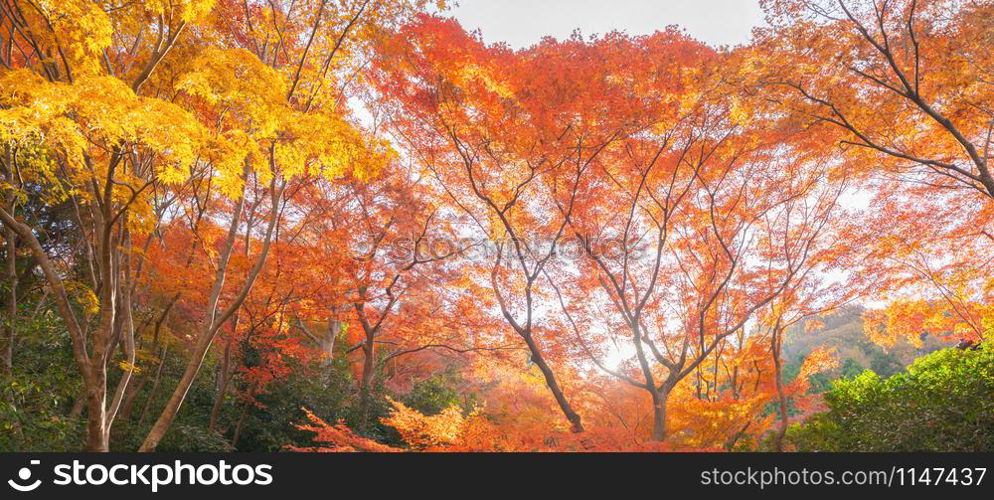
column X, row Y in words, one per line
column 942, row 402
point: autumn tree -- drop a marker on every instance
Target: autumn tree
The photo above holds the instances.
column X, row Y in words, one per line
column 274, row 108
column 118, row 113
column 719, row 218
column 600, row 242
column 903, row 88
column 906, row 82
column 75, row 128
column 932, row 265
column 391, row 249
column 509, row 136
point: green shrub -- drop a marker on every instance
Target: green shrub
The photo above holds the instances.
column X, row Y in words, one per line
column 944, row 401
column 37, row 398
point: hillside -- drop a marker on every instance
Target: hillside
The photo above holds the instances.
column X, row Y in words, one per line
column 843, row 331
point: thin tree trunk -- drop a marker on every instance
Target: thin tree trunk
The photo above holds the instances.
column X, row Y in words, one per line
column 328, row 341
column 10, row 325
column 550, row 381
column 241, row 421
column 172, row 407
column 78, row 404
column 214, row 320
column 222, row 387
column 367, row 377
column 134, row 390
column 155, row 386
column 10, row 237
column 781, row 395
column 128, row 332
column 92, row 366
column 11, row 316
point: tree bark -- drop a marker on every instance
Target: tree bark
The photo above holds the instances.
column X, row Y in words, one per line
column 659, row 400
column 214, row 320
column 92, row 366
column 550, row 381
column 368, row 368
column 97, row 437
column 222, row 386
column 327, row 343
column 241, row 421
column 155, row 386
column 172, row 407
column 10, row 325
column 781, row 395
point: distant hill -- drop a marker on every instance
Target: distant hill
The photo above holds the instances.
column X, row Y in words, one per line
column 843, row 330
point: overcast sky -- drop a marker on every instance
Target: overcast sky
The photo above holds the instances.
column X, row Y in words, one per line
column 521, row 23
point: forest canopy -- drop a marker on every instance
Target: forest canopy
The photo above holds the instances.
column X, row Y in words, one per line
column 353, row 225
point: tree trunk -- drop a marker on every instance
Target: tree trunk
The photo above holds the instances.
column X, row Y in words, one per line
column 222, row 386
column 241, row 421
column 92, row 366
column 10, row 325
column 78, row 404
column 169, row 412
column 134, row 390
column 212, row 323
column 127, row 331
column 155, row 386
column 550, row 381
column 97, row 437
column 367, row 378
column 368, row 366
column 781, row 396
column 327, row 343
column 659, row 399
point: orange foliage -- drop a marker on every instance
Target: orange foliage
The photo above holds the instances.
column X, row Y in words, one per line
column 607, row 238
column 338, row 438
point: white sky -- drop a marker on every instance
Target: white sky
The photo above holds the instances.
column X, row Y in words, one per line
column 522, row 23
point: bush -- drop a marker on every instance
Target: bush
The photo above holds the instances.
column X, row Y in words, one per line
column 433, row 395
column 944, row 401
column 37, row 398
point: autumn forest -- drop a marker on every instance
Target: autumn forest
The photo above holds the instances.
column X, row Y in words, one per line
column 354, row 225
